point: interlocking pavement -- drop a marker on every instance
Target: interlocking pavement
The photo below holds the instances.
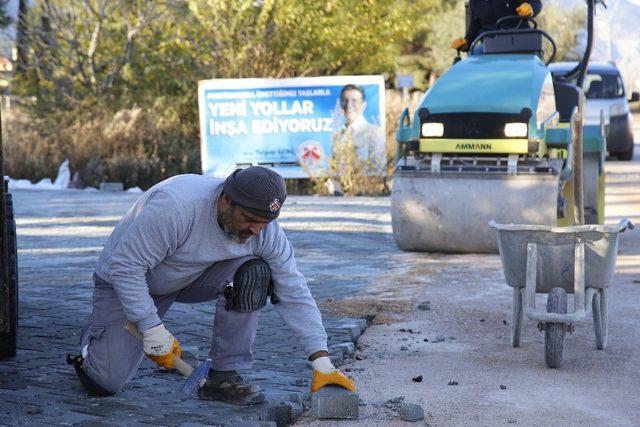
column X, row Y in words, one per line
column 60, row 235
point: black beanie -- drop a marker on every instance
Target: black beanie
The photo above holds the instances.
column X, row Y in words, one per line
column 259, row 190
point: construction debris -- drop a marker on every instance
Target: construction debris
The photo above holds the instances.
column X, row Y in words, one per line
column 411, row 412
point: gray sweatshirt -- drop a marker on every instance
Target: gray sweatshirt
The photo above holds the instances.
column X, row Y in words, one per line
column 171, row 236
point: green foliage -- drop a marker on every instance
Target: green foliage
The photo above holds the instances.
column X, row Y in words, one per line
column 281, row 38
column 565, row 26
column 426, row 51
column 94, row 65
column 87, row 62
column 5, row 18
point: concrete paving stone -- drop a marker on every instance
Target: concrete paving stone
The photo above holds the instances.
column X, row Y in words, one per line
column 254, row 423
column 127, row 419
column 296, row 410
column 336, row 358
column 105, row 408
column 348, row 348
column 353, row 328
column 69, row 418
column 281, row 414
column 176, row 418
column 335, row 402
column 194, row 424
column 93, row 424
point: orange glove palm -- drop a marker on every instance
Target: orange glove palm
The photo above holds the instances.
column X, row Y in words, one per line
column 525, row 10
column 336, row 377
column 166, row 360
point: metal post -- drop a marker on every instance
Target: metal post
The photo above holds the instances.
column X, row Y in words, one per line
column 578, row 211
column 531, row 277
column 579, row 276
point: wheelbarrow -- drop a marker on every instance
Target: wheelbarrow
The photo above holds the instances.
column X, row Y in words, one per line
column 578, row 260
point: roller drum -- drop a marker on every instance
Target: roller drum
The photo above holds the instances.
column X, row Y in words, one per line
column 450, row 212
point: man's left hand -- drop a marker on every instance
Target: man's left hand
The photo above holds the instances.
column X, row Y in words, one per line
column 525, row 10
column 324, row 373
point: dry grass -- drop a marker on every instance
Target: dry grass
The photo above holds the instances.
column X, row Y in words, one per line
column 128, row 146
column 140, row 148
column 375, row 310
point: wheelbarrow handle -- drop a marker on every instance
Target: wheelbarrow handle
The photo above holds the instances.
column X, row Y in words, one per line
column 624, row 224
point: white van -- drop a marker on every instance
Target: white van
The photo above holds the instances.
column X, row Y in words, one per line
column 604, row 90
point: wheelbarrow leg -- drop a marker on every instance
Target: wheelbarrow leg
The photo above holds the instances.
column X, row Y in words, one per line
column 516, row 317
column 600, row 318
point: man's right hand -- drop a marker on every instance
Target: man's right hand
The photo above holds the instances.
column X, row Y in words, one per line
column 461, row 44
column 160, row 346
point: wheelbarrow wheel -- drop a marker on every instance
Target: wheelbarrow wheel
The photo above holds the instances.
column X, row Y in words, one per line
column 516, row 317
column 600, row 320
column 554, row 332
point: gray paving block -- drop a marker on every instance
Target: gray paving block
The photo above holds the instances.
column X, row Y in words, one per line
column 281, row 414
column 337, row 359
column 362, row 323
column 347, row 349
column 335, row 402
column 411, row 412
column 297, row 405
column 254, row 423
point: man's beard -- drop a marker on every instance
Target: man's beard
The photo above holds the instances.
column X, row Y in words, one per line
column 226, row 220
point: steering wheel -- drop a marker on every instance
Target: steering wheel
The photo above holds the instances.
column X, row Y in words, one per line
column 502, row 22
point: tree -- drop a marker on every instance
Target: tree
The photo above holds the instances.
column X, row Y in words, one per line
column 565, row 26
column 78, row 51
column 136, row 63
column 433, row 24
column 22, row 42
column 5, row 18
column 281, row 38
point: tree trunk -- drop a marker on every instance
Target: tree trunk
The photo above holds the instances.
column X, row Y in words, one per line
column 22, row 42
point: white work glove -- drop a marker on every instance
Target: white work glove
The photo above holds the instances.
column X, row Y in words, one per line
column 323, row 364
column 324, row 373
column 160, row 346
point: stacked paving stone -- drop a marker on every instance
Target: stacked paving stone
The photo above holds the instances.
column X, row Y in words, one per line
column 56, row 262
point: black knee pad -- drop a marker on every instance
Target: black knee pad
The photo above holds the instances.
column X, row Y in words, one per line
column 250, row 288
column 92, row 388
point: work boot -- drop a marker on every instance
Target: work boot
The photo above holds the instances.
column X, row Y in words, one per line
column 229, row 387
column 92, row 388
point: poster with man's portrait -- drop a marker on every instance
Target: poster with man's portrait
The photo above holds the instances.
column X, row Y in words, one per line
column 290, row 125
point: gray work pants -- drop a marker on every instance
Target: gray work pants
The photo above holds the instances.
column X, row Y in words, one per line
column 114, row 355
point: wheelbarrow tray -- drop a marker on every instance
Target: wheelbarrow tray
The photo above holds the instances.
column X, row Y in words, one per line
column 556, row 254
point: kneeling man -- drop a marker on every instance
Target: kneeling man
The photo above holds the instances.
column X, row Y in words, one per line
column 190, row 239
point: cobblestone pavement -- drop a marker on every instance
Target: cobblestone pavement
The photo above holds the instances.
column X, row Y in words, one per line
column 60, row 235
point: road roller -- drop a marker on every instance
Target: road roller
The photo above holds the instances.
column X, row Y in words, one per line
column 498, row 137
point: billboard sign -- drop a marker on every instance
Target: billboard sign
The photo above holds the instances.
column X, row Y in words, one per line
column 289, row 124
